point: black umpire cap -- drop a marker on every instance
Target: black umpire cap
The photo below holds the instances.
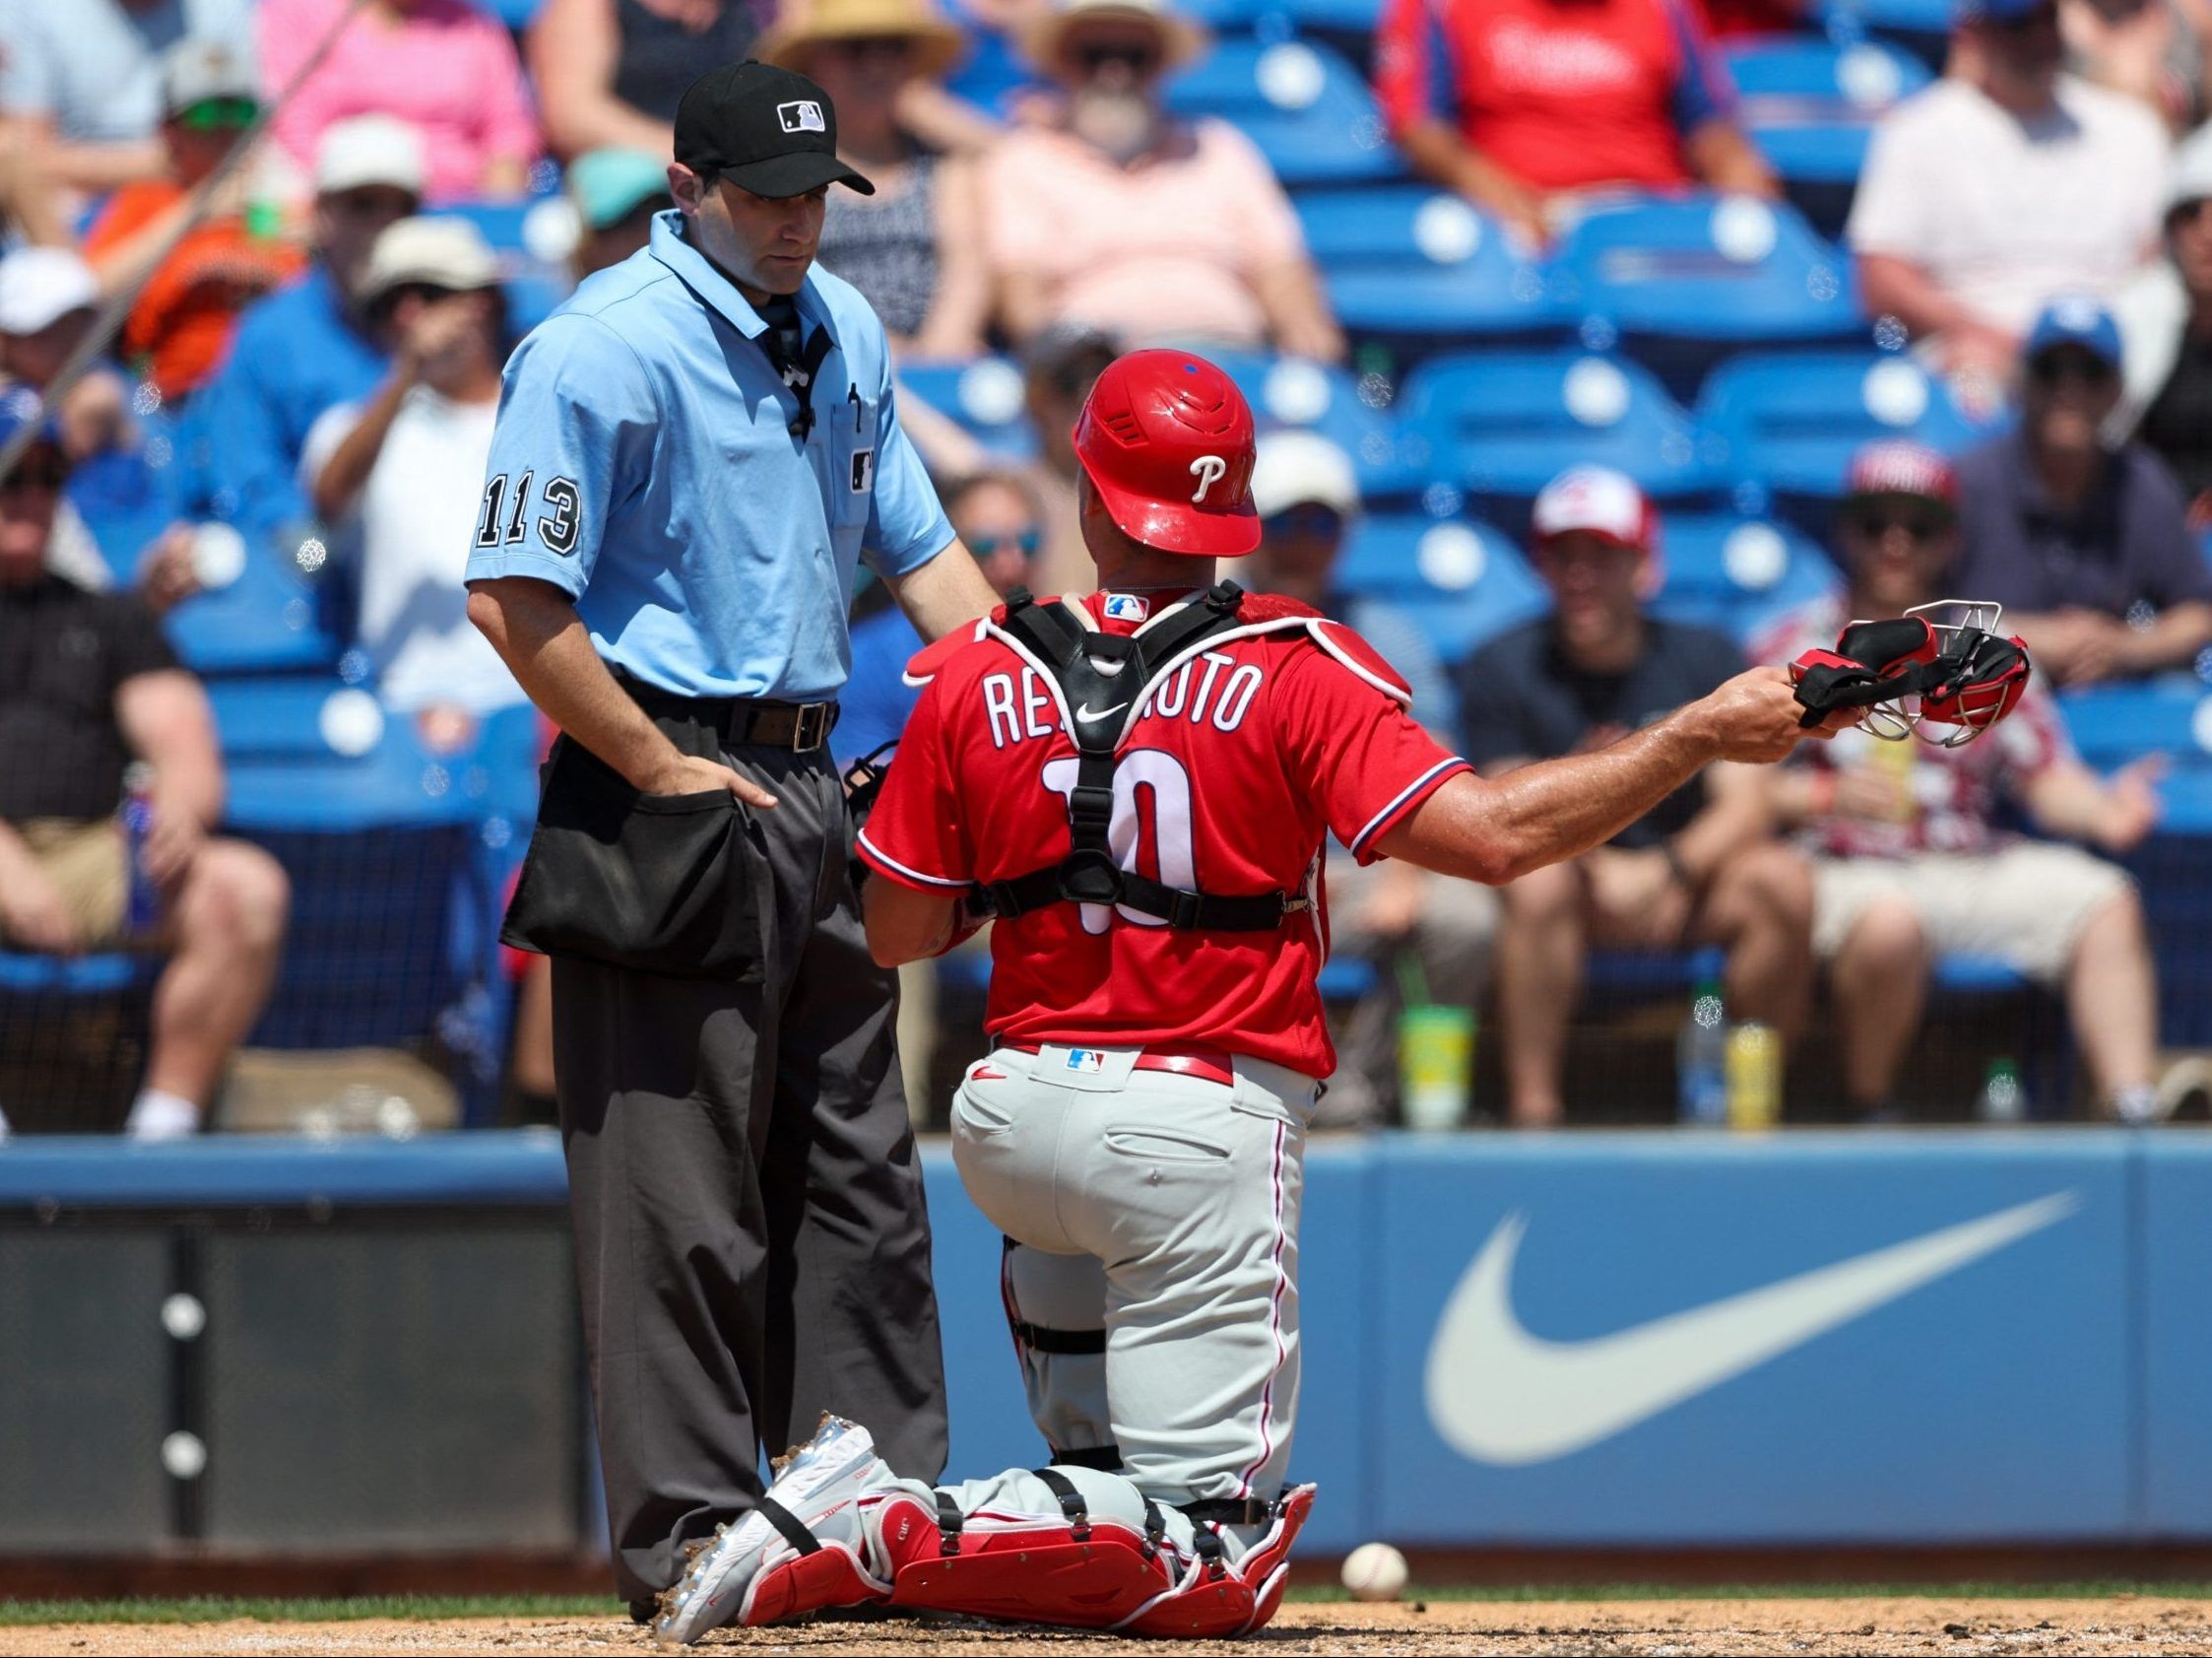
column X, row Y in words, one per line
column 764, row 129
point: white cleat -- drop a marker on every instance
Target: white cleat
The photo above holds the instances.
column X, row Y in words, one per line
column 813, row 1481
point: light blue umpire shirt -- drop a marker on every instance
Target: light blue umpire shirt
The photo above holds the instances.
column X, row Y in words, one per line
column 643, row 464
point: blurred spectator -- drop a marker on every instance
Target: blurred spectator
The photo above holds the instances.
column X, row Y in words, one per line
column 2164, row 319
column 2000, row 185
column 2152, row 50
column 404, row 468
column 1114, row 214
column 995, row 516
column 915, row 247
column 1699, row 868
column 1909, row 861
column 1058, row 367
column 1517, row 103
column 444, row 66
column 194, row 287
column 1308, row 499
column 81, row 80
column 88, row 685
column 615, row 193
column 610, row 73
column 2086, row 546
column 305, row 347
column 49, row 300
column 117, row 513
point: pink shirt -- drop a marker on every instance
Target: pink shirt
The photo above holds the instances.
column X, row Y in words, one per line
column 1165, row 250
column 447, row 68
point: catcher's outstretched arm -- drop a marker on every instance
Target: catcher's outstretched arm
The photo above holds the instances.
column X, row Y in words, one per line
column 1495, row 830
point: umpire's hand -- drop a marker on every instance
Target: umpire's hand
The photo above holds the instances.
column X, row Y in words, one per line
column 689, row 774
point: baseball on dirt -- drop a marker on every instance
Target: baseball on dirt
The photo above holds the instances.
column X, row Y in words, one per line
column 1375, row 1571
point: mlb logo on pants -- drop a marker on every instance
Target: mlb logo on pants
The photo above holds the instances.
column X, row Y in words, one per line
column 1089, row 1060
column 805, row 115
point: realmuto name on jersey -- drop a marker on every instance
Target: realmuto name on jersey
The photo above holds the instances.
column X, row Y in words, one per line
column 1211, row 688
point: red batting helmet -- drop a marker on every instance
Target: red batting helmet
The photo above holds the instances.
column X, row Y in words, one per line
column 1166, row 439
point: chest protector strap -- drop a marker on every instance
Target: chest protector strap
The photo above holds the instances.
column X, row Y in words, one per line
column 1103, row 681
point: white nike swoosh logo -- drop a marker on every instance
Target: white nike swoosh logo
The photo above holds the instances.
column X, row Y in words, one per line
column 1087, row 713
column 1498, row 1394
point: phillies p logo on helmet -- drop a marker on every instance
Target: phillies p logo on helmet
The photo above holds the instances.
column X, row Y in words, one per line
column 1208, row 470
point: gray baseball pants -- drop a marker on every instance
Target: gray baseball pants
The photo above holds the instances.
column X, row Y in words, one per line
column 752, row 1243
column 1162, row 1210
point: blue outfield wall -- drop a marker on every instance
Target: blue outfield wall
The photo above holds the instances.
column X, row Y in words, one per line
column 1591, row 1338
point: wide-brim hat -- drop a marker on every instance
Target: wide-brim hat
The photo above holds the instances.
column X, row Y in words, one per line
column 938, row 41
column 1181, row 38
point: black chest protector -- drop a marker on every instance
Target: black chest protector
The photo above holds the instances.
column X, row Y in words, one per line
column 1103, row 681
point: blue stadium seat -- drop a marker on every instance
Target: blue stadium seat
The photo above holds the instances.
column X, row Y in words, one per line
column 1287, row 392
column 1503, row 425
column 1737, row 575
column 1688, row 280
column 1345, row 979
column 1308, row 111
column 1410, row 264
column 1792, row 423
column 265, row 621
column 74, row 976
column 1921, row 27
column 992, row 72
column 982, row 395
column 1461, row 582
column 1810, row 106
column 2113, row 724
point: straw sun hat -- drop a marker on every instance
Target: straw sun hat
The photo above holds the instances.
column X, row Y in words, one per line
column 1181, row 39
column 807, row 24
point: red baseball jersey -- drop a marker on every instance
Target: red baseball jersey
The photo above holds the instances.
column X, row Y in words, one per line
column 1238, row 765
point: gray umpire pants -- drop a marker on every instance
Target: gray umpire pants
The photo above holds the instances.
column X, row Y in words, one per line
column 751, row 1238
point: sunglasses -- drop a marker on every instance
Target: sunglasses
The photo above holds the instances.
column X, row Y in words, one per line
column 370, row 204
column 1025, row 542
column 2058, row 367
column 46, row 476
column 1921, row 523
column 1141, row 59
column 218, row 114
column 1308, row 521
column 858, row 47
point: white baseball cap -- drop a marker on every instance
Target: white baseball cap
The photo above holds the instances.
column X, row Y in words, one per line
column 195, row 70
column 40, row 286
column 1294, row 467
column 1596, row 500
column 441, row 252
column 370, row 149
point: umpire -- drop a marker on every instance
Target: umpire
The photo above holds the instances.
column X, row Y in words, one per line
column 691, row 453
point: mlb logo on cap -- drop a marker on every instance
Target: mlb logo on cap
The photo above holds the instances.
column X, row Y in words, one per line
column 802, row 115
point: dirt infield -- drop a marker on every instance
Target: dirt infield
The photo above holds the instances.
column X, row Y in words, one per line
column 1658, row 1628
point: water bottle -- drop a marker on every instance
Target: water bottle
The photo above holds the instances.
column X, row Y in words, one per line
column 143, row 902
column 1701, row 1059
column 1754, row 1076
column 2003, row 1100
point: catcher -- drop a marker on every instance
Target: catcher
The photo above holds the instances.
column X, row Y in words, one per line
column 1137, row 784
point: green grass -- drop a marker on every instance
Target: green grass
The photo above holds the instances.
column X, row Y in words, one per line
column 425, row 1609
column 213, row 1608
column 2087, row 1589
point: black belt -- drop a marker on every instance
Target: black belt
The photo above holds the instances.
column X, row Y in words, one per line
column 740, row 721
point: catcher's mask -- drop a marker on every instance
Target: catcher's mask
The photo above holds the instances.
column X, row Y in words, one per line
column 1938, row 665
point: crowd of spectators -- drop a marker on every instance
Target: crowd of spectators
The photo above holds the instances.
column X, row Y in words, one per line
column 273, row 196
